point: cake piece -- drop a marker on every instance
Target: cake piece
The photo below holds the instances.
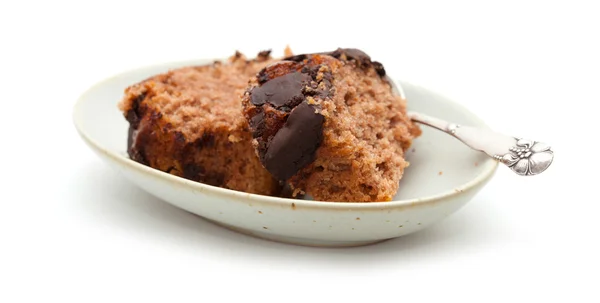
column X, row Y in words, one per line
column 188, row 122
column 330, row 125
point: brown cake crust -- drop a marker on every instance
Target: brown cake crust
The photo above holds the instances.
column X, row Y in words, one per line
column 329, row 125
column 188, row 122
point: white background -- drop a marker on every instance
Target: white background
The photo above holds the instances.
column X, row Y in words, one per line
column 73, row 230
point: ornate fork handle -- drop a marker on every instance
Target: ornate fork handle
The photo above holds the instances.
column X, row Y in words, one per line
column 524, row 157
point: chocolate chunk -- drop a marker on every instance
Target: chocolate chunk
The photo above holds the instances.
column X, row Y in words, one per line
column 264, row 54
column 133, row 114
column 133, row 118
column 197, row 173
column 262, row 77
column 296, row 58
column 353, row 54
column 312, row 70
column 281, row 91
column 136, row 143
column 379, row 68
column 336, row 53
column 130, row 138
column 257, row 124
column 295, row 144
column 358, row 55
column 194, row 172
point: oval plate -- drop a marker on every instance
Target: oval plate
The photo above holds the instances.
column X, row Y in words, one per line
column 444, row 175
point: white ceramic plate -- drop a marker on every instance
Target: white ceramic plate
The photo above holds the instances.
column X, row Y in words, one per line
column 444, row 175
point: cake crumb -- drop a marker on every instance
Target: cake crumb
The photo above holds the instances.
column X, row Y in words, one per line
column 287, row 52
column 234, row 139
column 297, row 191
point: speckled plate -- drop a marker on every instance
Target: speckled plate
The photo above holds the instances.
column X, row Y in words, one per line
column 444, row 175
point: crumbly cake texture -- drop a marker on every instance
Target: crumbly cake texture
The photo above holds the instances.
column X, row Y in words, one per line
column 188, row 122
column 330, row 125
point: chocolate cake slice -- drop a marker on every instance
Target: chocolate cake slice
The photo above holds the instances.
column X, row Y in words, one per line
column 188, row 122
column 330, row 126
